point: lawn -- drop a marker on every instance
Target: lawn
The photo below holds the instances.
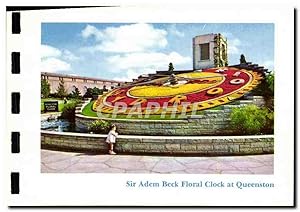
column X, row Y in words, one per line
column 87, row 111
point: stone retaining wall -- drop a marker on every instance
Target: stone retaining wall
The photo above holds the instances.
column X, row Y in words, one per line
column 176, row 145
column 211, row 122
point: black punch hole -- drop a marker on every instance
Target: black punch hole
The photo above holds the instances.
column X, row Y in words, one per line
column 15, row 182
column 16, row 25
column 15, row 103
column 15, row 62
column 15, row 142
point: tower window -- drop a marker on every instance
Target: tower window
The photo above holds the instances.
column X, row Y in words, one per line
column 204, row 51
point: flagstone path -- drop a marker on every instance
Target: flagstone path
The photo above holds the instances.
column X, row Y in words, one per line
column 70, row 162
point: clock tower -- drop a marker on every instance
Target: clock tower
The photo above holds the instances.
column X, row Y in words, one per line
column 209, row 51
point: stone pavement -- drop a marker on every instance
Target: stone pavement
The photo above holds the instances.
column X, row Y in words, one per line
column 70, row 162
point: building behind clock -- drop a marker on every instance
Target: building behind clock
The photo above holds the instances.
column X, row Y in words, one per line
column 209, row 50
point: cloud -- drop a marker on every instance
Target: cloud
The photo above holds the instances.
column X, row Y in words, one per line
column 234, row 46
column 49, row 51
column 90, row 31
column 69, row 55
column 129, row 75
column 54, row 59
column 135, row 64
column 152, row 60
column 54, row 65
column 174, row 31
column 125, row 38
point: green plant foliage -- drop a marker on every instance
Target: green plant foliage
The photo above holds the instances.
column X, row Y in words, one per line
column 45, row 88
column 97, row 91
column 94, row 92
column 99, row 126
column 68, row 111
column 252, row 120
column 75, row 94
column 270, row 82
column 61, row 91
column 266, row 87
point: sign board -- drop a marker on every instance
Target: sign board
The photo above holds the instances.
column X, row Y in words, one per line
column 51, row 106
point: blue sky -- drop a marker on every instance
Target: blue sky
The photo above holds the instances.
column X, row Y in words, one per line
column 124, row 51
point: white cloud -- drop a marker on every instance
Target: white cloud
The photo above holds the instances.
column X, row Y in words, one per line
column 233, row 43
column 54, row 59
column 49, row 51
column 125, row 38
column 152, row 60
column 54, row 65
column 135, row 64
column 90, row 31
column 234, row 46
column 129, row 75
column 69, row 55
column 174, row 31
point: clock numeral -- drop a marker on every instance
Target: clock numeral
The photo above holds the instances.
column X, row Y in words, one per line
column 236, row 74
column 177, row 99
column 215, row 91
column 237, row 81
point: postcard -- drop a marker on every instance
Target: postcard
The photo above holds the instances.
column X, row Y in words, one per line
column 150, row 106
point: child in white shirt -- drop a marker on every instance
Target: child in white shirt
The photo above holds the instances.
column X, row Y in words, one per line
column 111, row 139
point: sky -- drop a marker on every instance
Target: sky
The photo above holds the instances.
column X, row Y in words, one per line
column 123, row 51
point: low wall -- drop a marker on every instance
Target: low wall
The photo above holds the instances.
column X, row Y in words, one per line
column 176, row 145
column 211, row 122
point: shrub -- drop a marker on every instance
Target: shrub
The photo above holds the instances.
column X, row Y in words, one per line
column 68, row 111
column 266, row 87
column 252, row 120
column 99, row 126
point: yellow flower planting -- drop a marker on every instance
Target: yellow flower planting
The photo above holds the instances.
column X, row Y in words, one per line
column 166, row 90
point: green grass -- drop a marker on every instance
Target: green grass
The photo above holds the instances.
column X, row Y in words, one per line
column 87, row 111
column 60, row 103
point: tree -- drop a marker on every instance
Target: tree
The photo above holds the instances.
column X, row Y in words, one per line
column 88, row 93
column 104, row 88
column 75, row 93
column 97, row 91
column 171, row 68
column 45, row 88
column 61, row 91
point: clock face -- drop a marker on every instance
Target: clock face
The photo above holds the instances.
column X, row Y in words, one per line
column 188, row 91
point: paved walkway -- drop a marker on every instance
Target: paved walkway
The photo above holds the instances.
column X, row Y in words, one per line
column 66, row 162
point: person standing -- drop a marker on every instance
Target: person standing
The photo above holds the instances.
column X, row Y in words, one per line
column 111, row 139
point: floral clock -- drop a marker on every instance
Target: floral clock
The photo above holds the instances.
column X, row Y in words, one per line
column 191, row 91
